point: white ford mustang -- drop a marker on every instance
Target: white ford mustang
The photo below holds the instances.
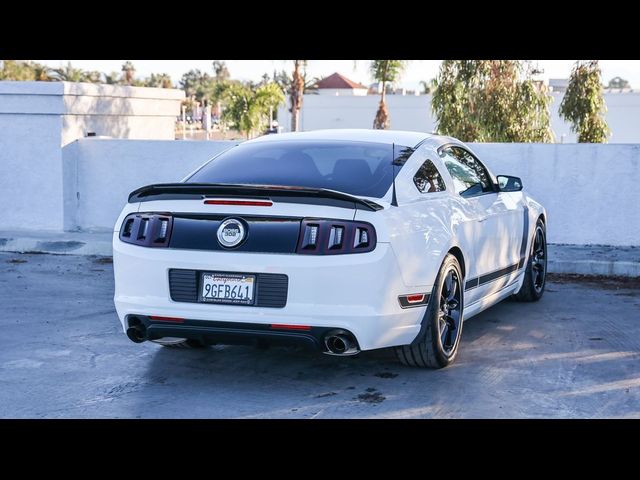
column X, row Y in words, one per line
column 341, row 240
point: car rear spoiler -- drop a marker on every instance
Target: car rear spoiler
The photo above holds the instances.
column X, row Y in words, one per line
column 315, row 196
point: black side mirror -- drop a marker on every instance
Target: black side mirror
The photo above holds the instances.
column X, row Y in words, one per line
column 507, row 183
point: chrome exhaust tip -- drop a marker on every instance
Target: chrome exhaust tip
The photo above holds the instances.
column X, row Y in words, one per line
column 339, row 342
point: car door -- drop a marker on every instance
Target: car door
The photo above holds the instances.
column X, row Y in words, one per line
column 497, row 226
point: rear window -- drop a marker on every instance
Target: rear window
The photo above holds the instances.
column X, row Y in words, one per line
column 357, row 168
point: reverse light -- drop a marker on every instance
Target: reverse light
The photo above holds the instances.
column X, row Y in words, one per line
column 334, row 237
column 147, row 229
column 310, row 237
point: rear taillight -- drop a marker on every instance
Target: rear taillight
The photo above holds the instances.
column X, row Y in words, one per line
column 147, row 229
column 335, row 237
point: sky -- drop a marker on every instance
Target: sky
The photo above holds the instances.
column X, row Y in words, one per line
column 417, row 69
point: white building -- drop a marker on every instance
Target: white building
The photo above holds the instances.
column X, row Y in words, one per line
column 339, row 85
column 409, row 112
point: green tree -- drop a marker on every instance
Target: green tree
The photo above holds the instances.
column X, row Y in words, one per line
column 617, row 82
column 221, row 71
column 583, row 104
column 385, row 72
column 491, row 101
column 16, row 70
column 113, row 78
column 41, row 73
column 92, row 76
column 248, row 109
column 129, row 73
column 427, row 87
column 68, row 74
column 159, row 80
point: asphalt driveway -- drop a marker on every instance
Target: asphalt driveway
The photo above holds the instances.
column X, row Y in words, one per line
column 576, row 353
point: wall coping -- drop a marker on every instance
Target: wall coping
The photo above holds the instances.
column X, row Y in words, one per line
column 88, row 89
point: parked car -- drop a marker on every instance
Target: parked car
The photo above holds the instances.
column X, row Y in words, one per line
column 340, row 240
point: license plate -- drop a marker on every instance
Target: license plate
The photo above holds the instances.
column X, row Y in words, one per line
column 227, row 288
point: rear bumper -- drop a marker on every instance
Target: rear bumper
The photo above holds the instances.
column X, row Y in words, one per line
column 358, row 293
column 210, row 332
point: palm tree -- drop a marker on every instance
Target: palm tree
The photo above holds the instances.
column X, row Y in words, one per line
column 248, row 109
column 385, row 71
column 68, row 74
column 129, row 72
column 296, row 92
column 42, row 73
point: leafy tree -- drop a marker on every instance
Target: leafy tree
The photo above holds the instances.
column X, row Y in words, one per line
column 113, row 78
column 129, row 73
column 583, row 104
column 386, row 72
column 617, row 82
column 159, row 80
column 92, row 76
column 427, row 87
column 221, row 71
column 248, row 109
column 491, row 101
column 17, row 70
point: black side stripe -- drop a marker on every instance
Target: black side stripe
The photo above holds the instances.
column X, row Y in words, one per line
column 473, row 283
column 490, row 277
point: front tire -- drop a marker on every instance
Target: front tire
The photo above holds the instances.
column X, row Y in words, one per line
column 436, row 346
column 536, row 273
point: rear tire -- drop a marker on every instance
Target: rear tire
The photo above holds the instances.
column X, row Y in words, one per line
column 536, row 273
column 179, row 343
column 436, row 346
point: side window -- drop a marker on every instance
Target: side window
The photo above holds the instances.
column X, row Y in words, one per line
column 428, row 179
column 470, row 177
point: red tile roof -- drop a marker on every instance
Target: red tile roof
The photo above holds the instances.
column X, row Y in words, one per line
column 338, row 81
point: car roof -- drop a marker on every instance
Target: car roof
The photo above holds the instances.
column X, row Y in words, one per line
column 399, row 137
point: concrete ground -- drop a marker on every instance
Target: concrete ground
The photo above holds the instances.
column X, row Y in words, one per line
column 576, row 353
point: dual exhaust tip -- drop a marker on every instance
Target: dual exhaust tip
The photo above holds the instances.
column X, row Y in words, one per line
column 137, row 332
column 341, row 342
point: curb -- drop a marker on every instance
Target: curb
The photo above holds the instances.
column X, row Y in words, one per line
column 595, row 267
column 59, row 247
column 100, row 244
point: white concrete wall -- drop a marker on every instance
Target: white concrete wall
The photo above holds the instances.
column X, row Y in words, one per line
column 119, row 111
column 347, row 92
column 30, row 172
column 590, row 191
column 99, row 174
column 37, row 118
column 410, row 112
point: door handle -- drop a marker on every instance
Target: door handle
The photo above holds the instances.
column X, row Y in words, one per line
column 483, row 219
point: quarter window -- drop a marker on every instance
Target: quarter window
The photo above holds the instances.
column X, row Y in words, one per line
column 428, row 179
column 470, row 177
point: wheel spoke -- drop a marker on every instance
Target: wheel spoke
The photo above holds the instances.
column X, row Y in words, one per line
column 452, row 292
column 448, row 284
column 444, row 333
